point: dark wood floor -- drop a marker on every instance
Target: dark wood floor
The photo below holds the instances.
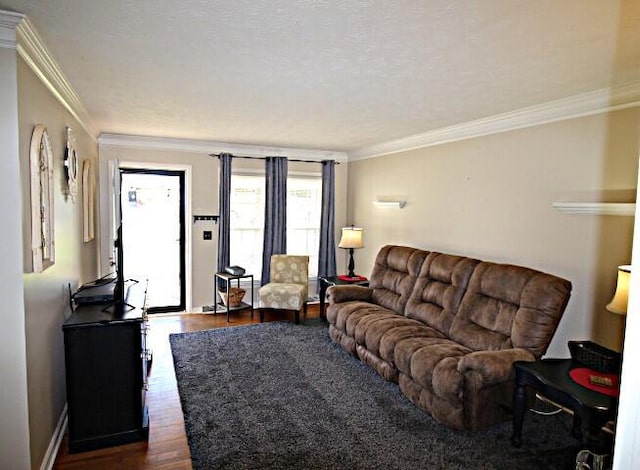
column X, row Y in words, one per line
column 167, row 447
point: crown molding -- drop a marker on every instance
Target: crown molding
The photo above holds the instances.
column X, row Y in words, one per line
column 9, row 21
column 585, row 104
column 34, row 52
column 208, row 147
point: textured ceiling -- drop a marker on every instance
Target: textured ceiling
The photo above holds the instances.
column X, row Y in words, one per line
column 334, row 75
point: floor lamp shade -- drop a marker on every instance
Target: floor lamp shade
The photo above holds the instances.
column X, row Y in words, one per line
column 351, row 239
column 621, row 297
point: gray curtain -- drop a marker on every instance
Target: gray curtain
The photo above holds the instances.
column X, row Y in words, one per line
column 275, row 213
column 327, row 252
column 224, row 212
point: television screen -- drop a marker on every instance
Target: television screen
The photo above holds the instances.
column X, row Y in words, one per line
column 120, row 292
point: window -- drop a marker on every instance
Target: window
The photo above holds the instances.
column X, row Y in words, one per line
column 304, row 199
column 247, row 222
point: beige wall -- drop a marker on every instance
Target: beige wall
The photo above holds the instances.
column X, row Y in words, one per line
column 46, row 294
column 202, row 197
column 14, row 425
column 491, row 198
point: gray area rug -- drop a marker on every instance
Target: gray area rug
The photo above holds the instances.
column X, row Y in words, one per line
column 284, row 396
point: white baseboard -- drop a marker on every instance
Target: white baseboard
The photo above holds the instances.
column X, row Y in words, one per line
column 52, row 451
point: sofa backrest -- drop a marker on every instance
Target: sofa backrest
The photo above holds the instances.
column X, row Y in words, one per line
column 394, row 275
column 509, row 306
column 439, row 289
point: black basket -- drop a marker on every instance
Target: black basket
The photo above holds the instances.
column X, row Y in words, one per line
column 594, row 356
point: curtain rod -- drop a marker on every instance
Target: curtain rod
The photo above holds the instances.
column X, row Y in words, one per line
column 264, row 158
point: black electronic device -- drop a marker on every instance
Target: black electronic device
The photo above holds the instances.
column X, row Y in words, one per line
column 98, row 291
column 118, row 303
column 119, row 288
column 95, row 294
column 235, row 270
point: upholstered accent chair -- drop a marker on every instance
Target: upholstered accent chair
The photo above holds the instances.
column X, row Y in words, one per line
column 287, row 287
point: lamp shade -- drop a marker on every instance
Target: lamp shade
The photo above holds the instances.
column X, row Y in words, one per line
column 351, row 238
column 619, row 302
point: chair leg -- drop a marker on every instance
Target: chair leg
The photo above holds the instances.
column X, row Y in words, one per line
column 261, row 315
column 297, row 317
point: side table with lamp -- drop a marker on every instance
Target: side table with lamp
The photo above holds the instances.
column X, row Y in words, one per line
column 351, row 239
column 586, row 385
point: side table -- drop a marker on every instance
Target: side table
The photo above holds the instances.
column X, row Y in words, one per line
column 228, row 278
column 326, row 282
column 550, row 377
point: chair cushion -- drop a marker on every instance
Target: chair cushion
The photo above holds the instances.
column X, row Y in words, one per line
column 282, row 296
column 289, row 269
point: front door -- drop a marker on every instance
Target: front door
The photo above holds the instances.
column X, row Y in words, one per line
column 153, row 231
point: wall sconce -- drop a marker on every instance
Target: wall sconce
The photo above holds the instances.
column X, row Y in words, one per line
column 621, row 297
column 389, row 204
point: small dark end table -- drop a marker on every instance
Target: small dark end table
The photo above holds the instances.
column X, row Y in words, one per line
column 550, row 378
column 227, row 279
column 326, row 282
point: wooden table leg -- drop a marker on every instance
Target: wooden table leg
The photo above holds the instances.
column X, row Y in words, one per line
column 519, row 408
column 323, row 294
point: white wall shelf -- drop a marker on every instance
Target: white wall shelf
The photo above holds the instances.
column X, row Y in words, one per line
column 596, row 208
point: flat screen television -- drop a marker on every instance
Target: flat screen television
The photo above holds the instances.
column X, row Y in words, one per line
column 120, row 291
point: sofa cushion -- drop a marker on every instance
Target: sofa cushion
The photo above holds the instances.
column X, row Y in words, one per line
column 386, row 370
column 433, row 364
column 347, row 293
column 385, row 327
column 439, row 289
column 451, row 414
column 395, row 335
column 509, row 306
column 345, row 316
column 347, row 342
column 409, row 352
column 378, row 322
column 394, row 275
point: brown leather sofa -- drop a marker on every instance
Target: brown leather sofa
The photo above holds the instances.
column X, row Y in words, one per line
column 448, row 328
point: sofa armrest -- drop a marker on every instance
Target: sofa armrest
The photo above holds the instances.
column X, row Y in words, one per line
column 339, row 294
column 493, row 366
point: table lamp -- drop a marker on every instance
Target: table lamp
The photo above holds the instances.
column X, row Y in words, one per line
column 621, row 297
column 351, row 239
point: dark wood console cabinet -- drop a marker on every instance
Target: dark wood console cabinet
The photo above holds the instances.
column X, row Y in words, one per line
column 106, row 362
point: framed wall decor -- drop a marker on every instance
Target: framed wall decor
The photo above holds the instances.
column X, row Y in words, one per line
column 71, row 165
column 88, row 200
column 42, row 221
